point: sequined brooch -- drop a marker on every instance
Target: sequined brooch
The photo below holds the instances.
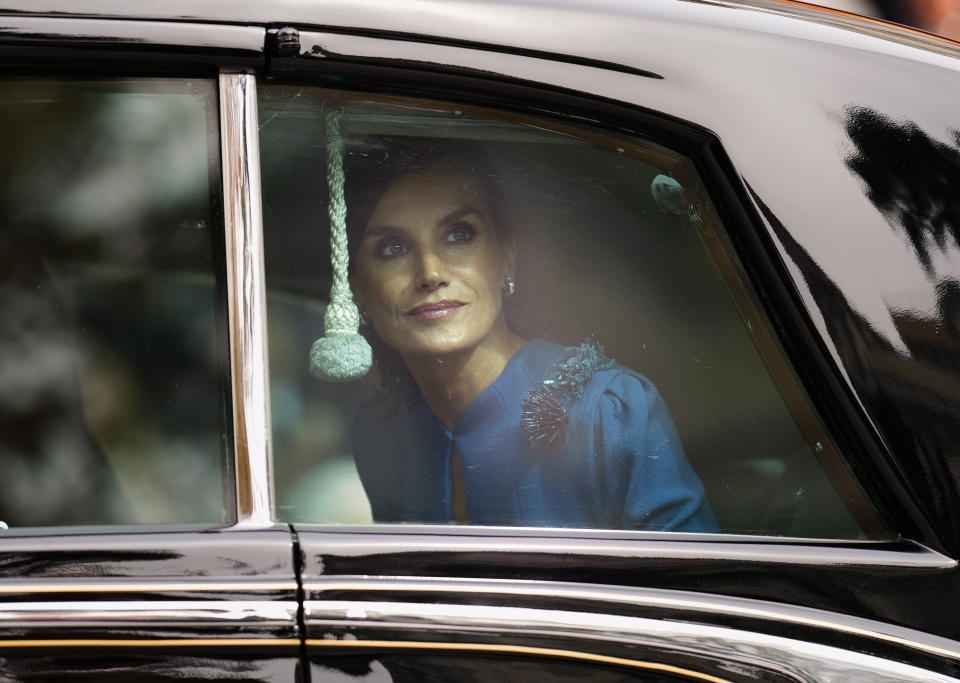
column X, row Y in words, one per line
column 544, row 411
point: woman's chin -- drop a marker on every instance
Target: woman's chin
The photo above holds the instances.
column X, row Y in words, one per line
column 440, row 338
column 437, row 348
column 435, row 343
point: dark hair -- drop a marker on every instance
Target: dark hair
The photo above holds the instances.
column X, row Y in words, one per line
column 371, row 165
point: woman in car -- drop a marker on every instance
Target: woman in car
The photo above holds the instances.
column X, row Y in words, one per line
column 475, row 424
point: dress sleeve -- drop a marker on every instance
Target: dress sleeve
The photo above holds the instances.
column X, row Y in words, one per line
column 642, row 474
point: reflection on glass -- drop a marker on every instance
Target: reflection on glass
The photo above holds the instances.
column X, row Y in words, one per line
column 110, row 397
column 500, row 265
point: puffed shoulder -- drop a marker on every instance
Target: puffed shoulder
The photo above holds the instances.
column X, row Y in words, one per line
column 642, row 475
column 584, row 382
column 623, row 410
column 618, row 389
column 544, row 413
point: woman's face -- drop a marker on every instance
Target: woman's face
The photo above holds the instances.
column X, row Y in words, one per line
column 429, row 268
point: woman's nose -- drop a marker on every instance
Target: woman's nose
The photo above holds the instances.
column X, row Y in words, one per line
column 432, row 274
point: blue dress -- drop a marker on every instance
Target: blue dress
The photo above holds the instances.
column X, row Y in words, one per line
column 562, row 438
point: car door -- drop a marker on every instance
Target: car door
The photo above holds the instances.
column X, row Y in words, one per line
column 736, row 112
column 649, row 162
column 137, row 540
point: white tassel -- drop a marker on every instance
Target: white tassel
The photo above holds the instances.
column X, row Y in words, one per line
column 341, row 354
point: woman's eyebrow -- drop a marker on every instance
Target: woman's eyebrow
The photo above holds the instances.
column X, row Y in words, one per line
column 391, row 230
column 457, row 214
column 383, row 231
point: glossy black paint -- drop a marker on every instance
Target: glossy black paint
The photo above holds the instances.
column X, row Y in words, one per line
column 859, row 591
column 67, row 44
column 912, row 395
column 84, row 666
column 780, row 184
column 79, row 575
column 468, row 22
column 923, row 598
column 457, row 666
column 149, row 555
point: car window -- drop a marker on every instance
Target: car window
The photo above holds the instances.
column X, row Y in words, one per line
column 112, row 405
column 561, row 332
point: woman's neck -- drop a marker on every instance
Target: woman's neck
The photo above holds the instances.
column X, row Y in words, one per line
column 450, row 383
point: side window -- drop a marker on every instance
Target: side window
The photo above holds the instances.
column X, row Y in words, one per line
column 112, row 406
column 561, row 333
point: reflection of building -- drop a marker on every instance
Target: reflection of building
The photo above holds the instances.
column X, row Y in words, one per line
column 941, row 17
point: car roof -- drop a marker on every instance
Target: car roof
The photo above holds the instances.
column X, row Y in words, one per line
column 510, row 23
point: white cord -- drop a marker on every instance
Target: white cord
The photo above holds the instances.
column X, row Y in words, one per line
column 341, row 354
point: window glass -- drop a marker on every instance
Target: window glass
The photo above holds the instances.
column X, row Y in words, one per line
column 112, row 407
column 561, row 333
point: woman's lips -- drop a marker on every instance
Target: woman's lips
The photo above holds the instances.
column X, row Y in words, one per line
column 435, row 310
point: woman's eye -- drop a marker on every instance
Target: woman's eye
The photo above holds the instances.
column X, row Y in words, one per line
column 390, row 248
column 461, row 232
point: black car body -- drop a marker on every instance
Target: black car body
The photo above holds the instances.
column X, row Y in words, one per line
column 823, row 142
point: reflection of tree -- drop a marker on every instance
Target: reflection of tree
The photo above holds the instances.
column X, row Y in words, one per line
column 910, row 177
column 948, row 306
column 935, row 340
column 913, row 400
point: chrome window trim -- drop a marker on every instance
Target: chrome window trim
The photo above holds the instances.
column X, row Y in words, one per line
column 665, row 599
column 138, row 585
column 140, row 642
column 246, row 291
column 337, row 621
column 385, row 539
column 136, row 612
